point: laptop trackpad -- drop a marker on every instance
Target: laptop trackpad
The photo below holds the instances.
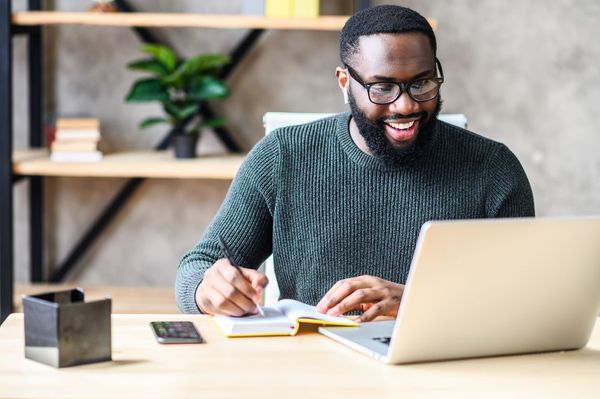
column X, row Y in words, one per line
column 368, row 337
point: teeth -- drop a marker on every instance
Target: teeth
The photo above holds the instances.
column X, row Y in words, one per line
column 401, row 126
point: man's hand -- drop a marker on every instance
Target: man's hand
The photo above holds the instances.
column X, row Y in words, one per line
column 373, row 295
column 230, row 291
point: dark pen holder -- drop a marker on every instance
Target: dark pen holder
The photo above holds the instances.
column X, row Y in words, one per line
column 62, row 330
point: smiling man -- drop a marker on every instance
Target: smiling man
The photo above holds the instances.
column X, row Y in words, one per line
column 339, row 202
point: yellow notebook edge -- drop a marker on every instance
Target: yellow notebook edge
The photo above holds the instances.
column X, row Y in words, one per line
column 299, row 321
column 273, row 334
column 306, row 320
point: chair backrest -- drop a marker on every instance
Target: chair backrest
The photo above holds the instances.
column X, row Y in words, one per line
column 274, row 120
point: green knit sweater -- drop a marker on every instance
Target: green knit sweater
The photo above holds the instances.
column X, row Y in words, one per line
column 328, row 211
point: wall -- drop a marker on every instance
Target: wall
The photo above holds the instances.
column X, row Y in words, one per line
column 523, row 72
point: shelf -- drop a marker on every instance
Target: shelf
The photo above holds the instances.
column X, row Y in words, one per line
column 155, row 164
column 163, row 20
column 333, row 23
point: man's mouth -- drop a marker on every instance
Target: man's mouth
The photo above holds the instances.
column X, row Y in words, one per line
column 401, row 132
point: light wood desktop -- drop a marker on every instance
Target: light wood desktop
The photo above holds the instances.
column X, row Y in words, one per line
column 305, row 366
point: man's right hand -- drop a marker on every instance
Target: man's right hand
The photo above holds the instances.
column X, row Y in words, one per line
column 229, row 290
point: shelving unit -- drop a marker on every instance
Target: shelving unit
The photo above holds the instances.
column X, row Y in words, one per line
column 35, row 164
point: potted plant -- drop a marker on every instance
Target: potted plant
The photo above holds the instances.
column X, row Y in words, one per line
column 181, row 86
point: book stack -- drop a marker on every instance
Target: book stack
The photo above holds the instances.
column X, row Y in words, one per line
column 292, row 8
column 76, row 140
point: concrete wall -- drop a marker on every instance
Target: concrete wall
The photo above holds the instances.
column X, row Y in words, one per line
column 525, row 74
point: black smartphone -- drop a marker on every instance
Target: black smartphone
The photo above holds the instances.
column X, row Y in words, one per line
column 176, row 332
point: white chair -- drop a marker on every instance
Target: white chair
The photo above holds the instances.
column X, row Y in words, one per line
column 274, row 120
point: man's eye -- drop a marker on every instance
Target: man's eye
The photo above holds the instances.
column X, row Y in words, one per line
column 422, row 86
column 383, row 88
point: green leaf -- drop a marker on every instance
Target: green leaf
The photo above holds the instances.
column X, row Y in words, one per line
column 172, row 110
column 149, row 65
column 203, row 63
column 215, row 122
column 180, row 111
column 175, row 79
column 188, row 110
column 208, row 88
column 145, row 90
column 162, row 54
column 151, row 122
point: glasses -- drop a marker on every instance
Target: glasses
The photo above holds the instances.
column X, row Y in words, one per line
column 420, row 90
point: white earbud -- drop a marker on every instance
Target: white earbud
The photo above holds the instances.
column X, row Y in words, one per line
column 345, row 93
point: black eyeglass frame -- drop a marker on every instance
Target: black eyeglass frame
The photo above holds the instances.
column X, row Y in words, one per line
column 403, row 86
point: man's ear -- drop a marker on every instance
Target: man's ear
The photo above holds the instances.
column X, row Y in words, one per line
column 342, row 77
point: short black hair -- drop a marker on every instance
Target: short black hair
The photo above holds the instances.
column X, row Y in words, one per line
column 381, row 19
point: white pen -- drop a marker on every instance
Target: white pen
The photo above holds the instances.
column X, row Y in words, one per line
column 225, row 249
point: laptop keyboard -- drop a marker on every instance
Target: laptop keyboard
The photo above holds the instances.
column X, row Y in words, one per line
column 383, row 340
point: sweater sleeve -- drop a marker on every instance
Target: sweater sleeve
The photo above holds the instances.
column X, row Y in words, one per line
column 509, row 193
column 244, row 220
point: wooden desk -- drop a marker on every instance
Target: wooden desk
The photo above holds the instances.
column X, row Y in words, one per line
column 305, row 366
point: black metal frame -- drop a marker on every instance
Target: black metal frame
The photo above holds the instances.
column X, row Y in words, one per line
column 6, row 177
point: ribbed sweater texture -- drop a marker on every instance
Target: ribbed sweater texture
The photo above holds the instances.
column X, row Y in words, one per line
column 328, row 211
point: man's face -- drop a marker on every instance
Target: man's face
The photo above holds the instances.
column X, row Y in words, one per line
column 396, row 132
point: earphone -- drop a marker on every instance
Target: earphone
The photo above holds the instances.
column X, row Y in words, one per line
column 345, row 93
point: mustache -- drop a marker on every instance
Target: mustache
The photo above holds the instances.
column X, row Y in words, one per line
column 394, row 117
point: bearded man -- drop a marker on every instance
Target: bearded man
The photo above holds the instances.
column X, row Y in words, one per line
column 339, row 202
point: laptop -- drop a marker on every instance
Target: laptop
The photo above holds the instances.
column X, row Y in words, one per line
column 491, row 287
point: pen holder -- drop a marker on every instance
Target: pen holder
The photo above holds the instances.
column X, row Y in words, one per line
column 62, row 330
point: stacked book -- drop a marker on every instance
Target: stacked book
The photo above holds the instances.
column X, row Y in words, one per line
column 283, row 8
column 76, row 140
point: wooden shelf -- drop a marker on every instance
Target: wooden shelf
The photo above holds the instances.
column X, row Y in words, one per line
column 163, row 20
column 333, row 23
column 154, row 164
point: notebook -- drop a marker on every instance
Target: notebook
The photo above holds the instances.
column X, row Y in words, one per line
column 284, row 318
column 491, row 287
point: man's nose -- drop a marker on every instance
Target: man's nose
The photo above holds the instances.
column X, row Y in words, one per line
column 404, row 105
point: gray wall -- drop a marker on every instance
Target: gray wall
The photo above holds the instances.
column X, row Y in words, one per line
column 524, row 73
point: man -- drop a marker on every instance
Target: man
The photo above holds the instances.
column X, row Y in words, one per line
column 339, row 202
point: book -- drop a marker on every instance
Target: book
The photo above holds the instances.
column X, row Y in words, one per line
column 279, row 8
column 306, row 8
column 77, row 129
column 284, row 318
column 74, row 146
column 77, row 123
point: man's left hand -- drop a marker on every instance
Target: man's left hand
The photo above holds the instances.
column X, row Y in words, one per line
column 373, row 295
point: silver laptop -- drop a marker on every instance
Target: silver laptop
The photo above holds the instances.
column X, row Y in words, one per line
column 491, row 287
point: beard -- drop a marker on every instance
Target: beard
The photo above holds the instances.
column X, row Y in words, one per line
column 373, row 133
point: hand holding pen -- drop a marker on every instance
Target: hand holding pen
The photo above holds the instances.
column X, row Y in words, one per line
column 227, row 253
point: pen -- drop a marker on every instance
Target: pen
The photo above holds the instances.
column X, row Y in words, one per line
column 225, row 249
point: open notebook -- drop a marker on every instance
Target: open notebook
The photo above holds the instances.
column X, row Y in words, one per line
column 284, row 318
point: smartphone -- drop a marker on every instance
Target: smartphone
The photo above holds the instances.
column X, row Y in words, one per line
column 176, row 332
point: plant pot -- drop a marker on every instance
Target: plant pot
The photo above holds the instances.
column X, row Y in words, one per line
column 185, row 145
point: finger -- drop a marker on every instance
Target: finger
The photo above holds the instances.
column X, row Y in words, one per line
column 382, row 308
column 257, row 280
column 235, row 277
column 231, row 292
column 223, row 305
column 357, row 300
column 341, row 290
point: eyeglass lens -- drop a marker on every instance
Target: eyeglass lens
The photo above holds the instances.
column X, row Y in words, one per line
column 419, row 90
